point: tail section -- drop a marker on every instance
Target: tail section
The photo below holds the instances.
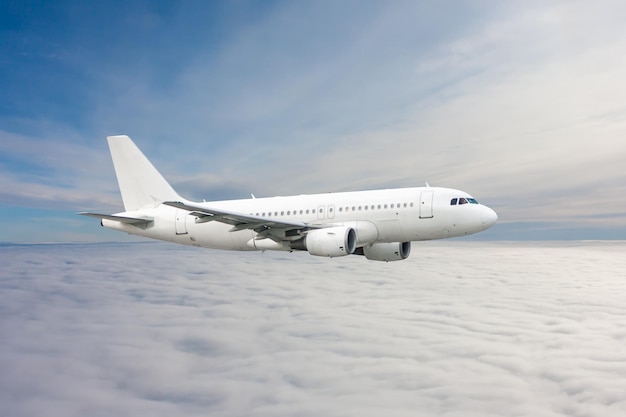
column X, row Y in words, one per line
column 140, row 183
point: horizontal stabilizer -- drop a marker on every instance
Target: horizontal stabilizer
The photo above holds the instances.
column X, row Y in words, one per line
column 137, row 221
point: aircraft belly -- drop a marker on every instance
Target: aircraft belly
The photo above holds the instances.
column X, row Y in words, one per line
column 241, row 238
column 215, row 235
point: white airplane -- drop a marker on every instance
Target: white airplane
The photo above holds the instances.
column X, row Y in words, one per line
column 379, row 224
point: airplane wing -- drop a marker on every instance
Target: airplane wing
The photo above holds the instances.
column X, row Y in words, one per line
column 137, row 221
column 263, row 226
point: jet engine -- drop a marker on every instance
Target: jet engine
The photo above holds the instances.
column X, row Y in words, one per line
column 395, row 251
column 331, row 241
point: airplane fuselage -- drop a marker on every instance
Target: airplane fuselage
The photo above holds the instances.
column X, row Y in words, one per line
column 378, row 224
column 393, row 215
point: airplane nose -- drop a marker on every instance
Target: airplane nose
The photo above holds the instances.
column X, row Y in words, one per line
column 488, row 217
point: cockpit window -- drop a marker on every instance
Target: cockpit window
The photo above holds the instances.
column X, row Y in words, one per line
column 463, row 200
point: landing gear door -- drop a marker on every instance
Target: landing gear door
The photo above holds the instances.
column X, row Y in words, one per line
column 426, row 205
column 181, row 225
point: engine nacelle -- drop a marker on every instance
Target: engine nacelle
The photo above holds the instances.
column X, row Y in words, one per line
column 395, row 251
column 331, row 241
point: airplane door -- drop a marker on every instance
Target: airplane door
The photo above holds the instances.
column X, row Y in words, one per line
column 181, row 225
column 426, row 205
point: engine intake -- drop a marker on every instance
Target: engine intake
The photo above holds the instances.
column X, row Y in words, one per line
column 331, row 241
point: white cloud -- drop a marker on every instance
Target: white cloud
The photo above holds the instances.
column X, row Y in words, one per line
column 459, row 328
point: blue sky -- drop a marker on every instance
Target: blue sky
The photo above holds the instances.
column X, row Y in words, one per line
column 519, row 103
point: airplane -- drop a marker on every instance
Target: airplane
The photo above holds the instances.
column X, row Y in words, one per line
column 377, row 224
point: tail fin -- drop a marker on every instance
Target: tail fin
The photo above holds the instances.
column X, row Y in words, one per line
column 140, row 183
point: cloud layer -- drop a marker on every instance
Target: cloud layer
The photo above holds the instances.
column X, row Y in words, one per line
column 460, row 328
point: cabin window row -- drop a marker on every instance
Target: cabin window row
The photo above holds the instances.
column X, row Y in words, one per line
column 330, row 209
column 375, row 207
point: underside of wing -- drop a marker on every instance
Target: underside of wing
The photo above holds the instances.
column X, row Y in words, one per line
column 266, row 228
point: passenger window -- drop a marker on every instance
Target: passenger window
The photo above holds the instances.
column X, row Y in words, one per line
column 453, row 202
column 379, row 207
column 392, row 206
column 411, row 204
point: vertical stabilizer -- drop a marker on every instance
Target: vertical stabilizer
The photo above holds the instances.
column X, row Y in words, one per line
column 140, row 183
